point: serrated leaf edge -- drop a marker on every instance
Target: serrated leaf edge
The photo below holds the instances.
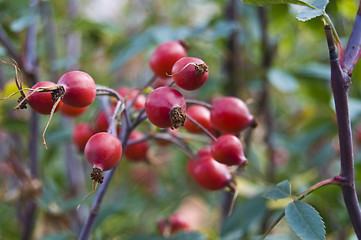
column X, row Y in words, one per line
column 318, row 214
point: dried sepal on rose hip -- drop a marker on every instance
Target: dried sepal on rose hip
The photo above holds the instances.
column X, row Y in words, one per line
column 190, row 73
column 42, row 102
column 103, row 152
column 165, row 108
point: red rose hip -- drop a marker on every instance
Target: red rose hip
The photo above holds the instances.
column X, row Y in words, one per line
column 228, row 149
column 200, row 114
column 42, row 102
column 190, row 73
column 164, row 57
column 81, row 134
column 164, row 108
column 230, row 115
column 103, row 151
column 207, row 172
column 79, row 88
column 137, row 151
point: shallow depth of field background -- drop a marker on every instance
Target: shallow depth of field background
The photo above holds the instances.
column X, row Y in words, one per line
column 286, row 86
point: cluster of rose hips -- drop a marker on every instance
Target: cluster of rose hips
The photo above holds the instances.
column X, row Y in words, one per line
column 164, row 106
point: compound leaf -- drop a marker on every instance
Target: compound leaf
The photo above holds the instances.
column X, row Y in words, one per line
column 305, row 221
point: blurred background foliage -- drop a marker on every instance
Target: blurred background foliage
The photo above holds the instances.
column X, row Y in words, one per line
column 276, row 64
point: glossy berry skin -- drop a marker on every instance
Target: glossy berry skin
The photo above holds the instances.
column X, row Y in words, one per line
column 207, row 172
column 230, row 115
column 228, row 149
column 41, row 102
column 190, row 77
column 200, row 114
column 103, row 150
column 164, row 57
column 72, row 111
column 81, row 134
column 130, row 94
column 79, row 89
column 138, row 151
column 159, row 104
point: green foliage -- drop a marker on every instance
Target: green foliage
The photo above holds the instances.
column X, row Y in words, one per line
column 115, row 49
column 305, row 221
column 281, row 190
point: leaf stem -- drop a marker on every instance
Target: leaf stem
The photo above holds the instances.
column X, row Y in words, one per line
column 334, row 181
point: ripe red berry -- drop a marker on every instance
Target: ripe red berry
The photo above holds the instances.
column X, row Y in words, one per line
column 200, row 114
column 207, row 172
column 42, row 102
column 130, row 94
column 164, row 56
column 228, row 149
column 137, row 151
column 190, row 73
column 230, row 115
column 164, row 108
column 103, row 151
column 102, row 121
column 81, row 134
column 79, row 88
column 72, row 111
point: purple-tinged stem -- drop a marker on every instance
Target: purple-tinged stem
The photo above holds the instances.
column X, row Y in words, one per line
column 30, row 66
column 194, row 101
column 353, row 49
column 340, row 82
column 202, row 127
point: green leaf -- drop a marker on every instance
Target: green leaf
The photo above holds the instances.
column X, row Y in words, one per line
column 305, row 221
column 282, row 80
column 243, row 217
column 269, row 2
column 280, row 191
column 306, row 13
